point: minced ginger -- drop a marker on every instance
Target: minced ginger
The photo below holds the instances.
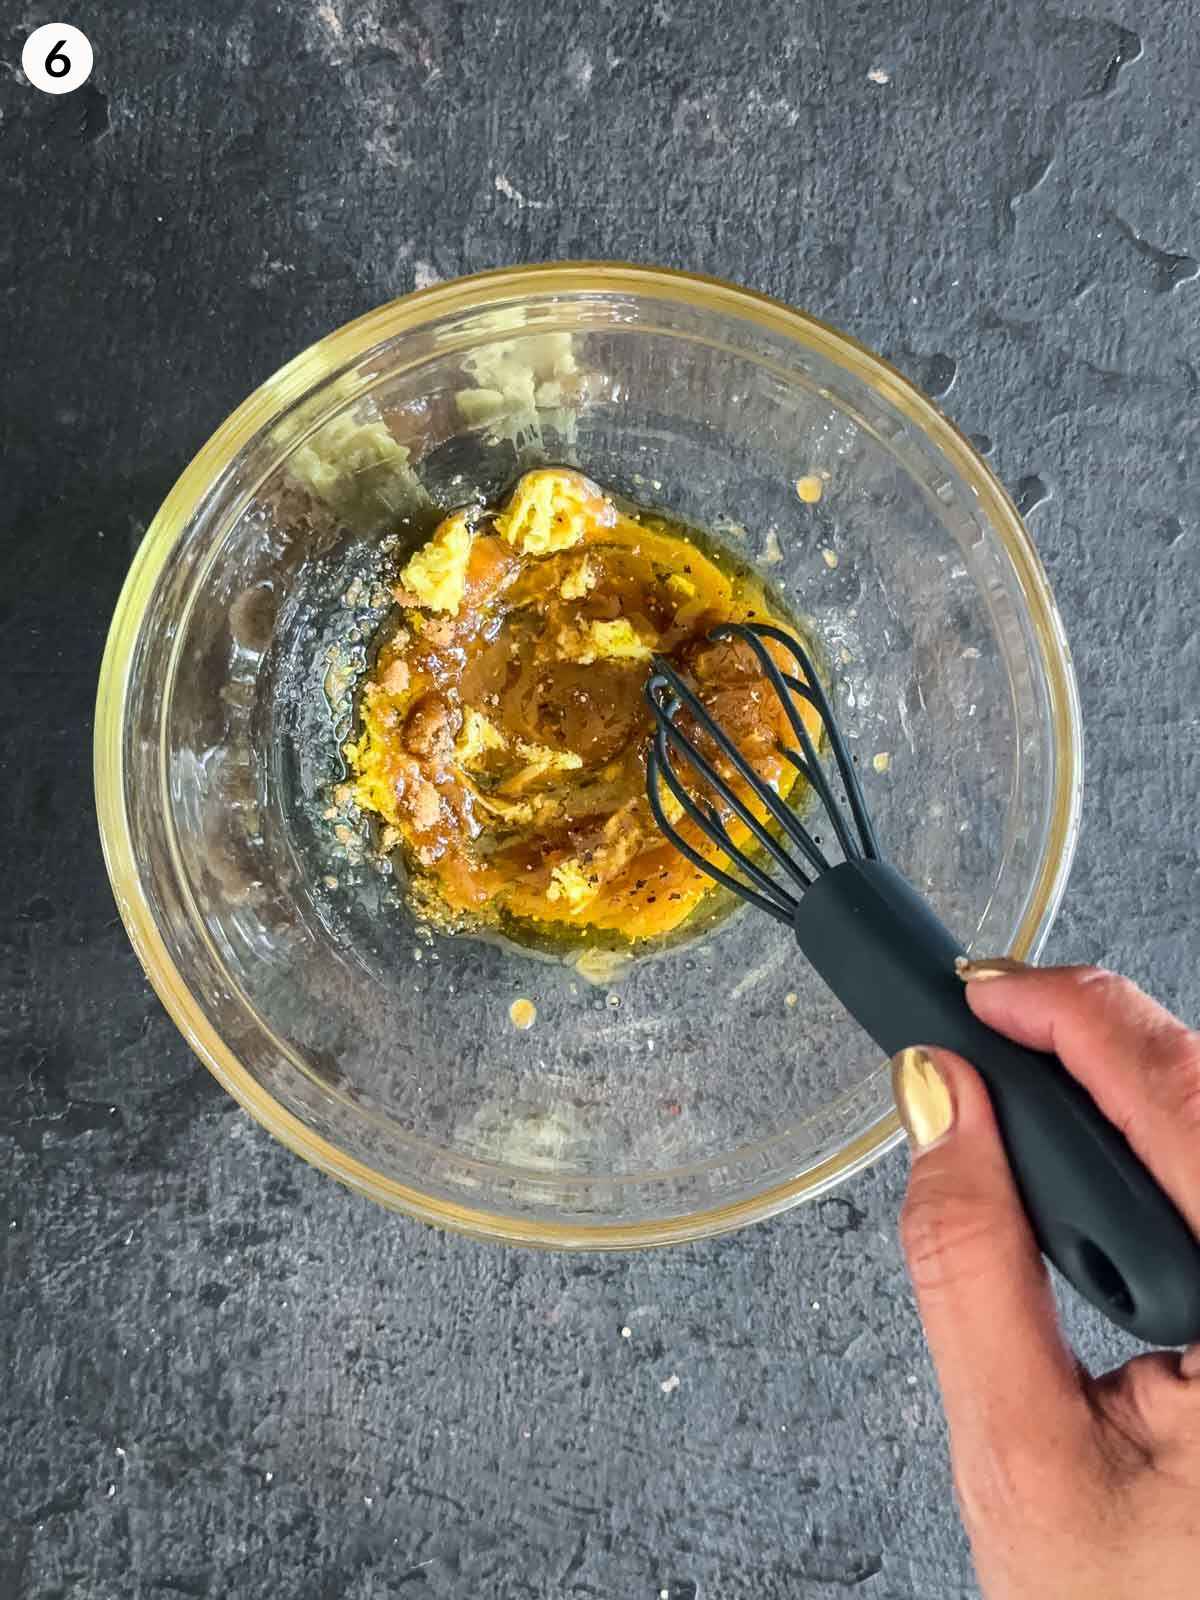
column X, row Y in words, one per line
column 503, row 732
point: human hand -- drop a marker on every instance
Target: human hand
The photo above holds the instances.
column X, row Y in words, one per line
column 1071, row 1487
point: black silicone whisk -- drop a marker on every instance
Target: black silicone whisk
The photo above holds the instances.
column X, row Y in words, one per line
column 1098, row 1214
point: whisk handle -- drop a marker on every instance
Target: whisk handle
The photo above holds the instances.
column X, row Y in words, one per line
column 1098, row 1213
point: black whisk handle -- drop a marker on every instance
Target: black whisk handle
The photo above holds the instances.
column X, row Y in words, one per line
column 1099, row 1215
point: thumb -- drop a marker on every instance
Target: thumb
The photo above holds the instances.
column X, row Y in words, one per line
column 1008, row 1379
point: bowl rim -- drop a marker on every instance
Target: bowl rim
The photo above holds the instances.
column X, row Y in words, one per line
column 287, row 386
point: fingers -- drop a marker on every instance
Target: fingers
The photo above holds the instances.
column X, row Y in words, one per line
column 1152, row 1405
column 1140, row 1064
column 1009, row 1383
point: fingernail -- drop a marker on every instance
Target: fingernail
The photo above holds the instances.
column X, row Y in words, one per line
column 1189, row 1362
column 987, row 967
column 923, row 1098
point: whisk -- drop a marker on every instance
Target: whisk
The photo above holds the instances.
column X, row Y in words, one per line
column 1098, row 1214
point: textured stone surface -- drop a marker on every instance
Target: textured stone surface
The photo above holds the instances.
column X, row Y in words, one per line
column 224, row 1376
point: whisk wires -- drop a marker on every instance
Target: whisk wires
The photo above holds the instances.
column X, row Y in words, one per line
column 668, row 695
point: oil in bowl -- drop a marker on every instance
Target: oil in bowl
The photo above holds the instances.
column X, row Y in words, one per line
column 502, row 728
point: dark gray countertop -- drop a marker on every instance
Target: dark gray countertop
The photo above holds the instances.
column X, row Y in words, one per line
column 223, row 1375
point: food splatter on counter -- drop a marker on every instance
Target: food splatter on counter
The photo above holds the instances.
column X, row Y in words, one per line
column 522, row 1014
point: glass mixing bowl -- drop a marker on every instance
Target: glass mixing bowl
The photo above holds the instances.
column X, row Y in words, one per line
column 712, row 1083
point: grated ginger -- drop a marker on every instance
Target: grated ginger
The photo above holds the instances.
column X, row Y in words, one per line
column 551, row 510
column 569, row 882
column 437, row 575
column 604, row 641
column 580, row 579
column 541, row 762
column 476, row 737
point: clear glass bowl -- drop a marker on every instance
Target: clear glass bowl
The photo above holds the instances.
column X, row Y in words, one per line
column 716, row 1082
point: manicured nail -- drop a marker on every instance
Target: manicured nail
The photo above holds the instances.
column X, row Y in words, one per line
column 923, row 1098
column 1189, row 1362
column 987, row 967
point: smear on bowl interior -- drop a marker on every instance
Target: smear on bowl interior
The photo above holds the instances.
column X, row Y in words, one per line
column 501, row 734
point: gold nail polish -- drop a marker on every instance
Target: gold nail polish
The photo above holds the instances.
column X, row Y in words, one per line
column 923, row 1098
column 980, row 967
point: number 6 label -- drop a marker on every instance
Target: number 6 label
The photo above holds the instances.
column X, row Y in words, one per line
column 57, row 58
